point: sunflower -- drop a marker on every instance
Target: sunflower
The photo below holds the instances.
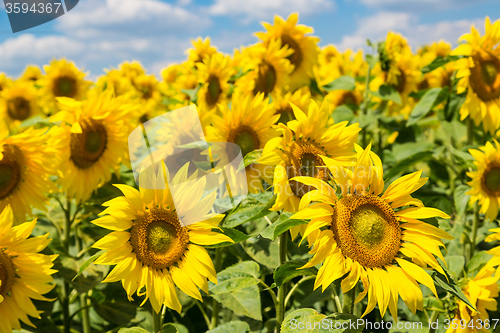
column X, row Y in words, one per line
column 213, row 75
column 298, row 152
column 154, row 245
column 479, row 74
column 249, row 125
column 441, row 76
column 62, row 79
column 5, row 81
column 26, row 162
column 281, row 103
column 481, row 291
column 117, row 83
column 267, row 68
column 25, row 274
column 31, row 73
column 201, row 50
column 18, row 102
column 95, row 135
column 374, row 238
column 150, row 97
column 401, row 70
column 131, row 70
column 305, row 48
column 485, row 181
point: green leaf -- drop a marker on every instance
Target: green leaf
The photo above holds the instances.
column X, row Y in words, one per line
column 388, row 93
column 119, row 313
column 311, row 321
column 290, row 270
column 438, row 62
column 231, row 327
column 281, row 225
column 478, row 260
column 174, row 328
column 134, row 330
column 236, row 235
column 192, row 93
column 455, row 264
column 239, row 276
column 262, row 250
column 403, row 165
column 450, row 285
column 342, row 113
column 461, row 199
column 251, row 157
column 237, row 289
column 264, row 211
column 252, row 205
column 88, row 262
column 430, row 99
column 345, row 82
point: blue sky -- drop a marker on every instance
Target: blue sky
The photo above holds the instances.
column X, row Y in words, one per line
column 99, row 34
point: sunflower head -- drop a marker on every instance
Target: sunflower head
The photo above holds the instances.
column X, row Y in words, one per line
column 479, row 73
column 157, row 236
column 485, row 183
column 31, row 73
column 369, row 236
column 18, row 102
column 213, row 75
column 201, row 49
column 25, row 274
column 305, row 48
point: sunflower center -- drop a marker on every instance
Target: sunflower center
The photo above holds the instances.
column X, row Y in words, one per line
column 366, row 230
column 18, row 108
column 214, row 90
column 246, row 138
column 302, row 159
column 296, row 57
column 286, row 114
column 266, row 79
column 158, row 239
column 485, row 75
column 10, row 170
column 347, row 97
column 7, row 273
column 87, row 147
column 491, row 180
column 65, row 86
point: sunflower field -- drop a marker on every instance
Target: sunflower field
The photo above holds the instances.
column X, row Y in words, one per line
column 369, row 200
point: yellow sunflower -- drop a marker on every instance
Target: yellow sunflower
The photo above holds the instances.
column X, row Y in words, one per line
column 201, row 50
column 27, row 160
column 115, row 81
column 281, row 103
column 267, row 68
column 485, row 181
column 441, row 76
column 479, row 74
column 131, row 69
column 305, row 48
column 153, row 245
column 149, row 95
column 5, row 81
column 481, row 291
column 25, row 274
column 18, row 102
column 62, row 79
column 374, row 238
column 96, row 140
column 213, row 75
column 297, row 152
column 31, row 73
column 249, row 124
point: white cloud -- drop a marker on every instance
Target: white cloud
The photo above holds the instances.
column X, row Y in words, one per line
column 375, row 28
column 420, row 5
column 266, row 9
column 130, row 17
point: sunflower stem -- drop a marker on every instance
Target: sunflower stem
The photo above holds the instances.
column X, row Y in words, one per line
column 295, row 286
column 475, row 224
column 65, row 243
column 215, row 304
column 271, row 292
column 348, row 300
column 280, row 309
column 336, row 299
column 84, row 304
column 157, row 320
column 433, row 318
column 470, row 131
